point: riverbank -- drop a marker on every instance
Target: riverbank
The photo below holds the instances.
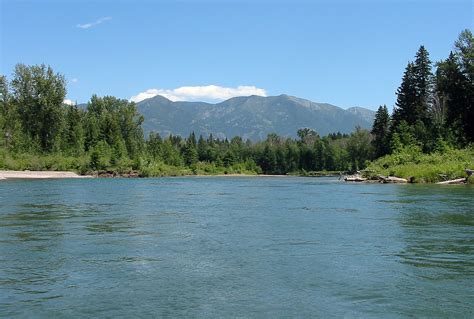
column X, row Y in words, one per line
column 183, row 173
column 66, row 174
column 39, row 175
column 417, row 167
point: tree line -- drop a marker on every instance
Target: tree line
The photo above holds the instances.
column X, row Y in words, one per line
column 107, row 135
column 433, row 110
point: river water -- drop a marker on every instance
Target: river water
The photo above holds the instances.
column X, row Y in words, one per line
column 235, row 247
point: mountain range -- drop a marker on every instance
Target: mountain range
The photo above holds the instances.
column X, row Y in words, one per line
column 251, row 117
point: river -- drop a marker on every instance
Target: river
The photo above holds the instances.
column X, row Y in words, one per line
column 248, row 247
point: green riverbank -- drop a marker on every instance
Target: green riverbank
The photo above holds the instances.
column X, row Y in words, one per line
column 410, row 163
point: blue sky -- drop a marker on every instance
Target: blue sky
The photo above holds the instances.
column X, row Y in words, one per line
column 347, row 53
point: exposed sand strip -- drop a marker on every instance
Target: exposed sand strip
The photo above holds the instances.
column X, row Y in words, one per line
column 38, row 174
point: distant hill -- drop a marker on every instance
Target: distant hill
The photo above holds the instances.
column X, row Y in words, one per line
column 252, row 117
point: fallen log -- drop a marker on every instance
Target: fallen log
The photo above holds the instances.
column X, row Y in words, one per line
column 453, row 181
column 393, row 180
column 354, row 178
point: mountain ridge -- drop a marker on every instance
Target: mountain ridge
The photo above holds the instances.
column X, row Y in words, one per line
column 251, row 117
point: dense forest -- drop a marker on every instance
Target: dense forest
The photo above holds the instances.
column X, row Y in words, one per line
column 433, row 115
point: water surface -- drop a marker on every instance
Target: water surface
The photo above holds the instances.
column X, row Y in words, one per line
column 235, row 247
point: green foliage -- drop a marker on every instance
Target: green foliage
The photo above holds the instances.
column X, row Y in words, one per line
column 433, row 112
column 433, row 116
column 406, row 98
column 381, row 132
column 414, row 96
column 190, row 152
column 359, row 148
column 159, row 168
column 73, row 134
column 37, row 95
column 53, row 162
column 100, row 156
column 464, row 47
column 410, row 163
column 107, row 136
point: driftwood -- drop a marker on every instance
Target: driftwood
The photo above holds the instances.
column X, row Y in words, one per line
column 392, row 179
column 458, row 180
column 382, row 179
column 453, row 181
column 354, row 178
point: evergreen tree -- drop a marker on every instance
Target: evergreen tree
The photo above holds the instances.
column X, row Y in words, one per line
column 292, row 156
column 202, row 148
column 406, row 98
column 381, row 132
column 171, row 155
column 402, row 136
column 415, row 97
column 154, row 145
column 452, row 89
column 3, row 107
column 319, row 155
column 268, row 161
column 190, row 154
column 423, row 81
column 130, row 127
column 464, row 47
column 73, row 136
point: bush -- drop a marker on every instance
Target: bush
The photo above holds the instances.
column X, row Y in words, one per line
column 409, row 162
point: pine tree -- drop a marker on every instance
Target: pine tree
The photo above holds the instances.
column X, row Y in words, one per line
column 268, row 160
column 406, row 98
column 154, row 145
column 451, row 88
column 190, row 153
column 423, row 81
column 3, row 107
column 73, row 135
column 381, row 132
column 464, row 47
column 415, row 97
column 202, row 149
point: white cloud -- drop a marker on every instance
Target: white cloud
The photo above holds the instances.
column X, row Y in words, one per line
column 74, row 80
column 69, row 102
column 213, row 93
column 93, row 24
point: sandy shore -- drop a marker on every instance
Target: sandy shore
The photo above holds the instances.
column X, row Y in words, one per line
column 38, row 174
column 63, row 174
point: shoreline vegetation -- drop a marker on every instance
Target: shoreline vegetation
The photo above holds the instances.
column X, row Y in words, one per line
column 366, row 176
column 27, row 174
column 428, row 138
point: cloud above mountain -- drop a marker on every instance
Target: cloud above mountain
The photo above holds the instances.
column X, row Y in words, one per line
column 212, row 93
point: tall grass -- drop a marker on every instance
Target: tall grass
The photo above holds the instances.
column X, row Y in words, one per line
column 50, row 162
column 411, row 163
